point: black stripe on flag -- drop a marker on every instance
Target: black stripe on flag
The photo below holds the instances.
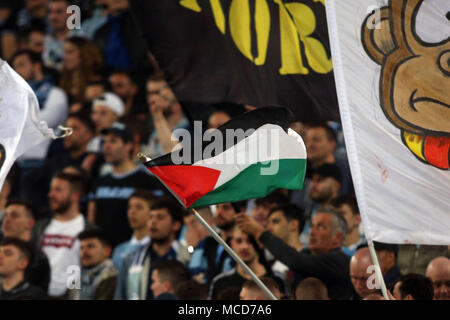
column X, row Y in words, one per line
column 280, row 116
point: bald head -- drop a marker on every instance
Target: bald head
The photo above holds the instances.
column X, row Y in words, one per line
column 311, row 289
column 374, row 296
column 438, row 271
column 359, row 263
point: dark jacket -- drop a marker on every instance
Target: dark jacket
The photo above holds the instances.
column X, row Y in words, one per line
column 38, row 273
column 23, row 291
column 332, row 268
column 134, row 41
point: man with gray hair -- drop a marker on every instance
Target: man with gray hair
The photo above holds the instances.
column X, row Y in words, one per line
column 323, row 259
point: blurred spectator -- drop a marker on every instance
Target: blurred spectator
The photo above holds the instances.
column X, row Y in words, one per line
column 52, row 100
column 18, row 223
column 311, row 289
column 8, row 27
column 124, row 84
column 286, row 222
column 166, row 276
column 96, row 20
column 191, row 290
column 58, row 33
column 374, row 296
column 300, row 128
column 218, row 118
column 194, row 231
column 53, row 106
column 166, row 219
column 106, row 110
column 121, row 45
column 98, row 274
column 209, row 257
column 15, row 256
column 414, row 258
column 248, row 250
column 138, row 214
column 360, row 274
column 347, row 206
column 413, row 286
column 74, row 153
column 33, row 39
column 110, row 193
column 324, row 186
column 320, row 141
column 82, row 64
column 439, row 272
column 263, row 206
column 251, row 291
column 167, row 115
column 141, row 131
column 5, row 193
column 34, row 14
column 95, row 89
column 58, row 235
column 323, row 259
column 387, row 257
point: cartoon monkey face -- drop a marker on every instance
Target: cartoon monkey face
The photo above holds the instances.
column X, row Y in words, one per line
column 415, row 75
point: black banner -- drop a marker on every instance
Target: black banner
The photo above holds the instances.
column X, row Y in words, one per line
column 256, row 52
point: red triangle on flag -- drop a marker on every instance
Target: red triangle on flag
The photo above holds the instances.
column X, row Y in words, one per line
column 189, row 183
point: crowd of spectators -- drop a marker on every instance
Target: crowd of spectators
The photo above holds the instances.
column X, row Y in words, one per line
column 82, row 218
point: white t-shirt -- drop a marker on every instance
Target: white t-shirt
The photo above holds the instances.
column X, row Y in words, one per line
column 62, row 247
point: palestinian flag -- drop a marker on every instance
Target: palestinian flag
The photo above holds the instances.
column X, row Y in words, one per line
column 268, row 156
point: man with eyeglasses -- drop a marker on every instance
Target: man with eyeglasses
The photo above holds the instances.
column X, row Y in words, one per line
column 359, row 275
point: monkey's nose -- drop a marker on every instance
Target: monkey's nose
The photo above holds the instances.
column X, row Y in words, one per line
column 444, row 62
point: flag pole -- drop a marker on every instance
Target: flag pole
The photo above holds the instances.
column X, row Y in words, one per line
column 214, row 234
column 233, row 254
column 378, row 273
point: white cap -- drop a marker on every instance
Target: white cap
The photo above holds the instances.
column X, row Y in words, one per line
column 112, row 101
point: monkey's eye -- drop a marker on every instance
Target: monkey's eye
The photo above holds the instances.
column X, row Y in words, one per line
column 433, row 21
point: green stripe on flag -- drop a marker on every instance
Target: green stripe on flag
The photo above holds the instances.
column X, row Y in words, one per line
column 250, row 183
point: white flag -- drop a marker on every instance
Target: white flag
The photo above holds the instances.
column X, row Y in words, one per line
column 392, row 69
column 20, row 128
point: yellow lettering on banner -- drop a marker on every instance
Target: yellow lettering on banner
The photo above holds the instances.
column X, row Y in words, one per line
column 262, row 24
column 305, row 22
column 240, row 24
column 321, row 1
column 291, row 59
column 219, row 17
column 191, row 4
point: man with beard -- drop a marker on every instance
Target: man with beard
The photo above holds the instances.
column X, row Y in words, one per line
column 167, row 115
column 58, row 235
column 247, row 249
column 166, row 219
column 209, row 257
column 438, row 271
column 325, row 185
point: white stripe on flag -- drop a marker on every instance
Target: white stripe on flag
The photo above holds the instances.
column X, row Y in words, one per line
column 253, row 149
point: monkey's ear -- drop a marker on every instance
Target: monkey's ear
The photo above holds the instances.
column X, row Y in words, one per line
column 376, row 35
